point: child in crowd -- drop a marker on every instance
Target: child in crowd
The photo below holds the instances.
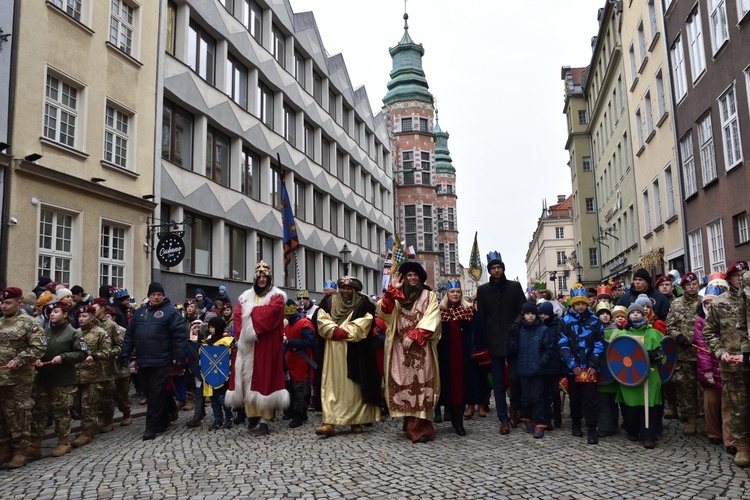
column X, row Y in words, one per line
column 606, row 389
column 218, row 337
column 534, row 348
column 647, row 304
column 553, row 369
column 620, row 316
column 299, row 340
column 633, row 398
column 581, row 348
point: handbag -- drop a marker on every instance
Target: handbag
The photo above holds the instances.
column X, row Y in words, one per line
column 481, row 357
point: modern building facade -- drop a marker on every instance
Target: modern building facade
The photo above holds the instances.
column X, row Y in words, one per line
column 80, row 135
column 245, row 81
column 550, row 248
column 649, row 104
column 710, row 73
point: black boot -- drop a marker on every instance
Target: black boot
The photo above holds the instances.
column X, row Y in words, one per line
column 593, row 436
column 252, row 422
column 239, row 418
column 577, row 428
column 438, row 418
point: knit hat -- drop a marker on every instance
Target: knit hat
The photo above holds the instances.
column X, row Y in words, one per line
column 155, row 287
column 635, row 307
column 529, row 307
column 219, row 324
column 63, row 292
column 44, row 281
column 76, row 290
column 44, row 299
column 546, row 308
column 222, row 288
column 579, row 294
column 644, row 300
column 643, row 274
column 30, row 299
column 199, row 291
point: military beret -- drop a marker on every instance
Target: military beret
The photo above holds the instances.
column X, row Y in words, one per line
column 736, row 267
column 11, row 292
column 86, row 309
column 689, row 277
column 100, row 301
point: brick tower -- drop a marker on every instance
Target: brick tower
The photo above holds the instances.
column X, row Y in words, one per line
column 447, row 215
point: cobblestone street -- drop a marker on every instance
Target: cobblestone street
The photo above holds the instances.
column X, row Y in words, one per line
column 380, row 463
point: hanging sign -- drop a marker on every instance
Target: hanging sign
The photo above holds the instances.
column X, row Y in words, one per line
column 170, row 250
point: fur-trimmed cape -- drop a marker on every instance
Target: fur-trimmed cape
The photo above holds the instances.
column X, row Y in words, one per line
column 258, row 371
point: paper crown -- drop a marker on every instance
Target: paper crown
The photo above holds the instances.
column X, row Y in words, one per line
column 290, row 310
column 262, row 268
column 494, row 255
column 714, row 290
column 579, row 291
column 303, row 294
column 451, row 284
column 329, row 284
column 603, row 305
column 603, row 290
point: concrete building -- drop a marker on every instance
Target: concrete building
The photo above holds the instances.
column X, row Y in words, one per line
column 578, row 145
column 649, row 102
column 617, row 247
column 80, row 85
column 551, row 245
column 243, row 82
column 709, row 63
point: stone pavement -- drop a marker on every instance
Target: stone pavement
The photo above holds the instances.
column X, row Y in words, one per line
column 380, row 463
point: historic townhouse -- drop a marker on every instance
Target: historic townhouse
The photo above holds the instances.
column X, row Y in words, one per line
column 547, row 265
column 710, row 72
column 649, row 103
column 79, row 146
column 243, row 82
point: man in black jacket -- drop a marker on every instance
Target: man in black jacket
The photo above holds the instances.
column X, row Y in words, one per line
column 157, row 333
column 499, row 305
column 642, row 284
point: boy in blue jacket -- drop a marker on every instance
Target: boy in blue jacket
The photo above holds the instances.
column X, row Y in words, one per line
column 534, row 346
column 581, row 348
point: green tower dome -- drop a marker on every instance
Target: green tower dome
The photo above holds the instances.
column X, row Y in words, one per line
column 443, row 161
column 408, row 82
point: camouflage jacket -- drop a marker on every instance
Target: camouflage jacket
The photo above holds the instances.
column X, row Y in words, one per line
column 116, row 335
column 97, row 344
column 22, row 341
column 745, row 306
column 681, row 320
column 722, row 329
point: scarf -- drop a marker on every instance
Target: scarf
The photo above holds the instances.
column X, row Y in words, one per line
column 638, row 323
column 456, row 312
column 340, row 310
column 411, row 294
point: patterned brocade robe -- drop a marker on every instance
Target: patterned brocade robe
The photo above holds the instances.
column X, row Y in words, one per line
column 412, row 376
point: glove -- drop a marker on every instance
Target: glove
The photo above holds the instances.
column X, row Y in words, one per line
column 339, row 334
column 656, row 355
column 683, row 340
column 124, row 360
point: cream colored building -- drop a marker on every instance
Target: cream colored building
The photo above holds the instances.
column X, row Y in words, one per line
column 84, row 96
column 647, row 81
column 550, row 248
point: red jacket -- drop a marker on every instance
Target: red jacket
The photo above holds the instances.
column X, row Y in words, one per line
column 298, row 368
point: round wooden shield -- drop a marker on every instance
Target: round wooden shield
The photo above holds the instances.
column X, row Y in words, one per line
column 667, row 364
column 628, row 361
column 604, row 377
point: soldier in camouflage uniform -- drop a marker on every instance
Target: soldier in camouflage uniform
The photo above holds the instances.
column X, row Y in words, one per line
column 91, row 373
column 118, row 385
column 22, row 343
column 680, row 324
column 727, row 342
column 55, row 383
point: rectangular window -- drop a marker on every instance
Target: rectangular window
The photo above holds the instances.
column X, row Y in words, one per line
column 300, row 198
column 299, row 68
column 451, row 219
column 425, row 167
column 642, row 43
column 264, row 105
column 719, row 25
column 318, row 88
column 593, row 257
column 730, row 129
column 633, row 63
column 171, row 26
column 678, row 70
column 235, row 243
column 252, row 18
column 71, row 8
column 561, row 259
column 406, row 124
column 275, row 187
column 325, row 146
column 311, row 280
column 358, row 231
column 177, row 136
column 559, row 233
column 743, row 7
column 55, row 245
column 60, row 112
column 589, row 205
column 661, row 101
column 217, row 156
column 695, row 44
column 198, row 246
column 353, row 176
column 334, row 213
column 278, row 41
column 562, row 283
column 116, row 126
column 649, row 110
column 657, row 203
column 340, row 166
column 741, row 233
column 250, row 180
column 410, row 225
column 688, row 165
column 586, row 163
column 424, row 125
column 309, row 144
column 318, row 209
column 695, row 242
column 715, row 237
column 290, row 125
column 652, row 21
column 347, row 224
column 582, row 120
column 706, row 141
column 669, row 185
column 332, row 104
column 121, row 26
column 236, row 81
column 264, row 250
column 427, row 224
column 407, row 166
column 112, row 255
column 345, row 112
column 638, row 125
column 646, row 212
column 201, row 52
column 452, row 258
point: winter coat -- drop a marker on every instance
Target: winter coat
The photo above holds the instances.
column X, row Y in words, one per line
column 554, row 365
column 581, row 340
column 534, row 346
column 157, row 333
column 65, row 341
column 498, row 307
column 707, row 363
column 300, row 334
column 661, row 304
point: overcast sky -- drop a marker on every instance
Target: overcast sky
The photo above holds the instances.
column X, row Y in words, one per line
column 494, row 69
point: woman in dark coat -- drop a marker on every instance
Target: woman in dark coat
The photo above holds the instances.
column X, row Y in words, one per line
column 457, row 369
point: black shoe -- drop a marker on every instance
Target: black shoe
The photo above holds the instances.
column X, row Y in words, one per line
column 438, row 418
column 558, row 422
column 423, row 439
column 216, row 425
column 149, row 435
column 461, row 431
column 715, row 440
column 632, row 437
column 649, row 445
column 577, row 432
column 227, row 424
column 296, row 422
column 252, row 422
column 732, row 450
column 194, row 422
column 239, row 418
column 262, row 430
column 593, row 438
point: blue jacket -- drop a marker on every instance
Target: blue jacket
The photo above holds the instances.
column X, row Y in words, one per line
column 554, row 365
column 535, row 347
column 157, row 333
column 581, row 340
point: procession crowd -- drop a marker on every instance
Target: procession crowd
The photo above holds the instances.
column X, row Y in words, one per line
column 627, row 357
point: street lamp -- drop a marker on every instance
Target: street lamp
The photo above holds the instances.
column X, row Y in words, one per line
column 346, row 256
column 553, row 279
